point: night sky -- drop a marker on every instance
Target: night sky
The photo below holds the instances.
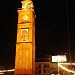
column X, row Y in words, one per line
column 51, row 27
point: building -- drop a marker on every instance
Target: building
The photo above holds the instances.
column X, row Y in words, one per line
column 45, row 66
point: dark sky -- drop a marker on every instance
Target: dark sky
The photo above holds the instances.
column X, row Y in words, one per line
column 51, row 28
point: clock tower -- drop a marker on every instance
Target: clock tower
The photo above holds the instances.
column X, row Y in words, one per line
column 25, row 43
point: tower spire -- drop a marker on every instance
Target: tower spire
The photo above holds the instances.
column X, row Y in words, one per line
column 27, row 4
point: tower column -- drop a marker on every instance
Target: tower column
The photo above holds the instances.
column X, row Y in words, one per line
column 25, row 43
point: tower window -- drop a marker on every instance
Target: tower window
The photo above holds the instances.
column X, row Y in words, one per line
column 20, row 53
column 44, row 70
column 39, row 71
column 24, row 35
column 26, row 52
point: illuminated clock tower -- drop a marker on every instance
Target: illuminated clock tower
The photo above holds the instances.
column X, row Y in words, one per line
column 25, row 44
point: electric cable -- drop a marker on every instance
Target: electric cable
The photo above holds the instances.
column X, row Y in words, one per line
column 70, row 58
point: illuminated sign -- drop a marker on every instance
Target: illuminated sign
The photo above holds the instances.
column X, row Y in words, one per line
column 59, row 58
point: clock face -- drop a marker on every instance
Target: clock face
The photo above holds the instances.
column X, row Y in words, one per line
column 25, row 17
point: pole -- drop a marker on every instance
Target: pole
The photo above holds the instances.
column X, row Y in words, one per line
column 58, row 68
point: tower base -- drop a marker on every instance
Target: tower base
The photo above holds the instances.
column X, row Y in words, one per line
column 24, row 74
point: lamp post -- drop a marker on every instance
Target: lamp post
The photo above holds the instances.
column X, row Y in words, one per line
column 58, row 66
column 49, row 66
